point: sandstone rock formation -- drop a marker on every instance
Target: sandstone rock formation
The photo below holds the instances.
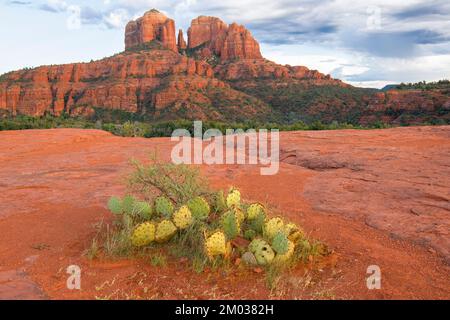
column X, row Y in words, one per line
column 152, row 26
column 222, row 76
column 181, row 42
column 228, row 42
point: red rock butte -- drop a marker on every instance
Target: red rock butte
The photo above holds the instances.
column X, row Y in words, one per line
column 228, row 42
column 214, row 35
column 217, row 74
column 152, row 26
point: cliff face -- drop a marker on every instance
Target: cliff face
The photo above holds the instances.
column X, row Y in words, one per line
column 227, row 42
column 152, row 26
column 219, row 74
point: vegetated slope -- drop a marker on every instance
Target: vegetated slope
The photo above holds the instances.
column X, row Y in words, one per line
column 218, row 74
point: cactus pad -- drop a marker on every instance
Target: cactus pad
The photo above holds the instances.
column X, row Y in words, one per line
column 285, row 257
column 254, row 211
column 165, row 230
column 272, row 227
column 164, row 207
column 234, row 198
column 231, row 225
column 280, row 243
column 128, row 204
column 143, row 235
column 182, row 218
column 216, row 245
column 199, row 208
column 143, row 210
column 115, row 205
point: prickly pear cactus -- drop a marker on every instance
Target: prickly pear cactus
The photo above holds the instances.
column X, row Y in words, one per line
column 164, row 207
column 257, row 223
column 115, row 205
column 143, row 235
column 220, row 204
column 165, row 230
column 250, row 234
column 239, row 215
column 199, row 208
column 263, row 253
column 285, row 257
column 216, row 245
column 182, row 218
column 272, row 226
column 296, row 236
column 256, row 244
column 280, row 243
column 143, row 210
column 128, row 204
column 234, row 198
column 231, row 225
column 254, row 210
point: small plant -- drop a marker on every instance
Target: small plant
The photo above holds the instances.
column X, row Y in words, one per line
column 158, row 260
column 181, row 220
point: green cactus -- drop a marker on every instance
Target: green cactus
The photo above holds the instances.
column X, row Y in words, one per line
column 249, row 234
column 128, row 204
column 280, row 243
column 230, row 225
column 115, row 205
column 164, row 207
column 257, row 223
column 283, row 258
column 143, row 210
column 220, row 204
column 199, row 208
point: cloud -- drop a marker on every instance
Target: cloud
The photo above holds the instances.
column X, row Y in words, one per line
column 54, row 6
column 19, row 3
column 352, row 40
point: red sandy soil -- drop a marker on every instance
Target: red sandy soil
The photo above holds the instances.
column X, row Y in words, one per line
column 378, row 197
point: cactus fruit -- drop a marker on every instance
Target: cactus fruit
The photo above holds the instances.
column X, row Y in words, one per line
column 182, row 218
column 199, row 208
column 285, row 257
column 234, row 198
column 165, row 230
column 216, row 245
column 231, row 225
column 254, row 211
column 115, row 205
column 128, row 204
column 164, row 207
column 272, row 226
column 143, row 235
column 280, row 243
column 143, row 210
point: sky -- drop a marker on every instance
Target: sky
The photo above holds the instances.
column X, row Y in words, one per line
column 371, row 43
